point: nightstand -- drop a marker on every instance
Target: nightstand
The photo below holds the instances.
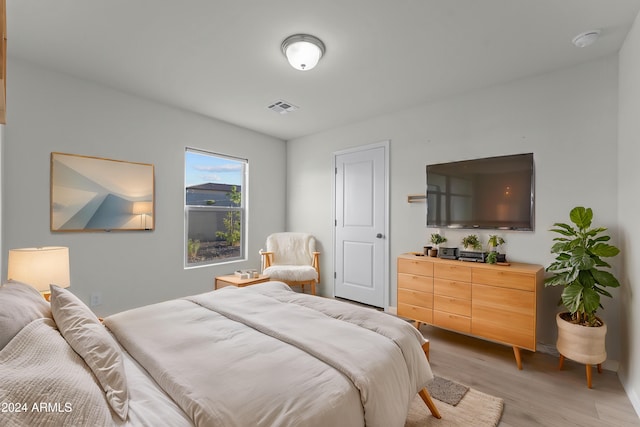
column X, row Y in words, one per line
column 233, row 280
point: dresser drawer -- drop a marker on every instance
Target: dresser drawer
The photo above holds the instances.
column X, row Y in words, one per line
column 415, row 282
column 452, row 321
column 452, row 305
column 420, row 314
column 502, row 332
column 423, row 268
column 453, row 272
column 452, row 288
column 502, row 300
column 505, row 278
column 504, row 315
column 417, row 298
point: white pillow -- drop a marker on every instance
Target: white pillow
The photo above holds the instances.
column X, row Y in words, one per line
column 20, row 304
column 89, row 338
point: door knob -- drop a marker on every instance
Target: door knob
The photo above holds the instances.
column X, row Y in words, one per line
column 379, row 236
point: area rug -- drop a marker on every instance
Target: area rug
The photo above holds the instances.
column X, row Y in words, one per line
column 447, row 391
column 475, row 409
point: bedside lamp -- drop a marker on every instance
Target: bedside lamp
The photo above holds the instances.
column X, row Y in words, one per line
column 40, row 267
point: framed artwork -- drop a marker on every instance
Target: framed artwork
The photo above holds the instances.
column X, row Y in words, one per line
column 96, row 194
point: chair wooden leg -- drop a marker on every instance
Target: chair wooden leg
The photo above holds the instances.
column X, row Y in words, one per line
column 588, row 371
column 426, row 398
column 561, row 362
column 599, row 368
column 313, row 288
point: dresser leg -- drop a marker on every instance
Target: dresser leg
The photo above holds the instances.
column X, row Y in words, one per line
column 516, row 353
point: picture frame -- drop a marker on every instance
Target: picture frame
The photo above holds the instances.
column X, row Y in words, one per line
column 98, row 194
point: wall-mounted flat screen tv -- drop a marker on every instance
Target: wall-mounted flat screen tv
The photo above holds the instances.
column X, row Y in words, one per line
column 489, row 193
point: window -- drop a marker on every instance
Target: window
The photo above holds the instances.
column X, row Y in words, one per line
column 215, row 216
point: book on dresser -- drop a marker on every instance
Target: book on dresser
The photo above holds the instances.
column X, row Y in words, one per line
column 493, row 302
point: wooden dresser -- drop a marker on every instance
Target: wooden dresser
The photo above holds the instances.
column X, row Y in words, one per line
column 493, row 302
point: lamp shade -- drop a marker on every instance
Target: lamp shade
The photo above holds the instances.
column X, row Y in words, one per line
column 40, row 267
column 303, row 51
column 142, row 208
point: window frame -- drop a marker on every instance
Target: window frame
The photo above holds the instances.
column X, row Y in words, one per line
column 242, row 209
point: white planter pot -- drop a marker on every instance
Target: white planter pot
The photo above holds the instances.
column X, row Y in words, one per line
column 581, row 343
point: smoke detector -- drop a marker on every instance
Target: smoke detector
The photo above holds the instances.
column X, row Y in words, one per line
column 586, row 39
column 282, row 107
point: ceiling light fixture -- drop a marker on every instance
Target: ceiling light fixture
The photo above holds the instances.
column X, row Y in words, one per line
column 586, row 39
column 303, row 51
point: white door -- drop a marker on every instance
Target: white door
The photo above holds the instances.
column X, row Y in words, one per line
column 361, row 245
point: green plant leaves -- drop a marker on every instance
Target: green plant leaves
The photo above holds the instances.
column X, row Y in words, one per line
column 605, row 250
column 581, row 217
column 471, row 241
column 591, row 300
column 558, row 279
column 564, row 229
column 437, row 239
column 572, row 297
column 605, row 278
column 558, row 247
column 578, row 259
column 581, row 259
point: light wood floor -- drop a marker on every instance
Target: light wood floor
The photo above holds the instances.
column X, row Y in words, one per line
column 540, row 394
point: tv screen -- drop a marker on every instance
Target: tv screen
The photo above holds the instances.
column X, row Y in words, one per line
column 490, row 193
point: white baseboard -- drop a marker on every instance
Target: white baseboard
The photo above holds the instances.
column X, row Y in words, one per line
column 633, row 397
column 392, row 310
column 547, row 349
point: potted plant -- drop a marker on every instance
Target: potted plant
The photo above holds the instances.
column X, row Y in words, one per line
column 578, row 267
column 471, row 242
column 436, row 239
column 494, row 241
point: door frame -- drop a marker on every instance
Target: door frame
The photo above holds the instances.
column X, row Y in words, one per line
column 385, row 144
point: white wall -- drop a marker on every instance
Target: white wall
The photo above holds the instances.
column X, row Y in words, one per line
column 54, row 112
column 568, row 119
column 628, row 208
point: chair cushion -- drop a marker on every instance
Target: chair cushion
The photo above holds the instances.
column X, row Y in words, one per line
column 291, row 248
column 291, row 273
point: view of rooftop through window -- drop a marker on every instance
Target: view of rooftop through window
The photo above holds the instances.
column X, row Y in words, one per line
column 214, row 207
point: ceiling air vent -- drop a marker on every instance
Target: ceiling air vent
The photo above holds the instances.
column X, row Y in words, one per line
column 282, row 107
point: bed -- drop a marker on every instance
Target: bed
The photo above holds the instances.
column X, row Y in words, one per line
column 256, row 356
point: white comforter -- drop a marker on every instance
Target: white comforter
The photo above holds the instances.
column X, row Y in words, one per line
column 43, row 382
column 266, row 356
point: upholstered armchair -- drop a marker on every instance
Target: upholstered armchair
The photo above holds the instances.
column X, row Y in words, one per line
column 292, row 258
